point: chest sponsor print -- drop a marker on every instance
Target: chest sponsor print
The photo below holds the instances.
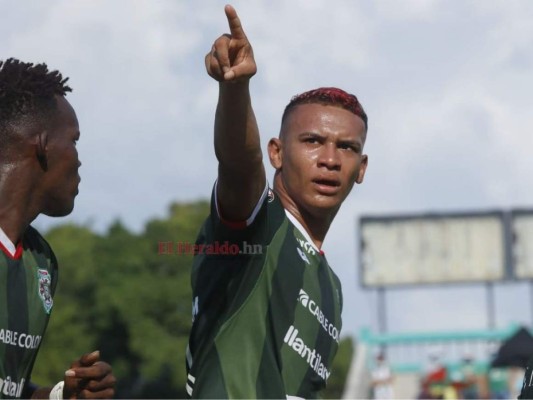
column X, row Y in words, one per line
column 314, row 309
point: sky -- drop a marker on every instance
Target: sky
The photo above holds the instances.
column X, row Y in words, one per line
column 447, row 86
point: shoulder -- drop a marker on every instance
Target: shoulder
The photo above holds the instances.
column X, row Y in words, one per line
column 34, row 242
column 274, row 206
column 338, row 285
column 268, row 211
column 32, row 238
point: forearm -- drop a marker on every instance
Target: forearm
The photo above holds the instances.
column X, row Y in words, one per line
column 241, row 174
column 237, row 142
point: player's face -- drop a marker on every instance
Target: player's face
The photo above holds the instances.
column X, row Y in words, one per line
column 61, row 179
column 322, row 156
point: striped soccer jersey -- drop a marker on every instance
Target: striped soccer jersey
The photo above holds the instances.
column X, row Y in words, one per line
column 266, row 309
column 28, row 280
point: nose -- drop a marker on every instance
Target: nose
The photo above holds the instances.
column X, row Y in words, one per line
column 329, row 157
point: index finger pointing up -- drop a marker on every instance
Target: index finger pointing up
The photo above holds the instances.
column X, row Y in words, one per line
column 234, row 23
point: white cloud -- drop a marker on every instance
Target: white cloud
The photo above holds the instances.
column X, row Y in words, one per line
column 407, row 10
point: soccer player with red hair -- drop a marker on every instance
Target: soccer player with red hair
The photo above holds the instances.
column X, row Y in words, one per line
column 266, row 321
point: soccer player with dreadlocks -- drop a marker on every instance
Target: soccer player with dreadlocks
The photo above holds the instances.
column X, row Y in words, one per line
column 266, row 323
column 38, row 175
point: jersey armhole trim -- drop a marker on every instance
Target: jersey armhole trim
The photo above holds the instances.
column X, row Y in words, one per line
column 251, row 218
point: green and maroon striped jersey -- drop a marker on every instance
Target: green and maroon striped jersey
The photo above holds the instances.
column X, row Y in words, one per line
column 28, row 280
column 266, row 309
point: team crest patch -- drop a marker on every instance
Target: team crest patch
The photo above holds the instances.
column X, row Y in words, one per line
column 45, row 280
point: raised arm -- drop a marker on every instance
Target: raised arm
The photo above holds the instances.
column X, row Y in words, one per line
column 241, row 174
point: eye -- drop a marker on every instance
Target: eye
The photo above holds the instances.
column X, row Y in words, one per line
column 348, row 146
column 312, row 140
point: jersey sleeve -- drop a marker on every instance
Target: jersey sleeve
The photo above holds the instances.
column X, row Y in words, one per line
column 54, row 267
column 239, row 224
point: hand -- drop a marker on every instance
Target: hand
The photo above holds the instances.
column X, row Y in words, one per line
column 89, row 378
column 231, row 58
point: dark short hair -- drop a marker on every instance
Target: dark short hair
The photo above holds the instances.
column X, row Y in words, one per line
column 27, row 93
column 328, row 96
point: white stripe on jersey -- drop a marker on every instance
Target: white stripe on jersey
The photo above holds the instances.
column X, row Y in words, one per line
column 8, row 244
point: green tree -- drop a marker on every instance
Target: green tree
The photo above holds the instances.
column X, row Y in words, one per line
column 120, row 293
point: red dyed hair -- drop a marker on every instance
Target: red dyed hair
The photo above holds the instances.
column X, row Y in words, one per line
column 328, row 96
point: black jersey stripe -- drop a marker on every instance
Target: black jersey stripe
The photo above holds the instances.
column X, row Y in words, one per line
column 17, row 306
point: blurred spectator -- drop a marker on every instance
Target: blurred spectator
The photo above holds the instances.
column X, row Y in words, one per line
column 469, row 379
column 382, row 378
column 435, row 376
column 499, row 383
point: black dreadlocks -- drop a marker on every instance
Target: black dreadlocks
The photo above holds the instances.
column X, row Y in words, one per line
column 27, row 91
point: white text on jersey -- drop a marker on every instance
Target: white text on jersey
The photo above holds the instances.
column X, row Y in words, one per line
column 312, row 357
column 23, row 340
column 313, row 308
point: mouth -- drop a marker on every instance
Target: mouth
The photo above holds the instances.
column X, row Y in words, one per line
column 327, row 186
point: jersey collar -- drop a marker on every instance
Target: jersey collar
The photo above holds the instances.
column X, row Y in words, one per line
column 302, row 230
column 8, row 247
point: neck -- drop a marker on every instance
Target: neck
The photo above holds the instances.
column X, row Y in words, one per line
column 315, row 222
column 17, row 202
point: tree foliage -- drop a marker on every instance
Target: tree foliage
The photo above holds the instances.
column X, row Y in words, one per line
column 120, row 293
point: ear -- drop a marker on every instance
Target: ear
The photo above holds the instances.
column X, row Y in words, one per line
column 275, row 152
column 362, row 169
column 41, row 149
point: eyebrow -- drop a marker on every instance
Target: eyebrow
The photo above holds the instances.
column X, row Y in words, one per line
column 317, row 135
